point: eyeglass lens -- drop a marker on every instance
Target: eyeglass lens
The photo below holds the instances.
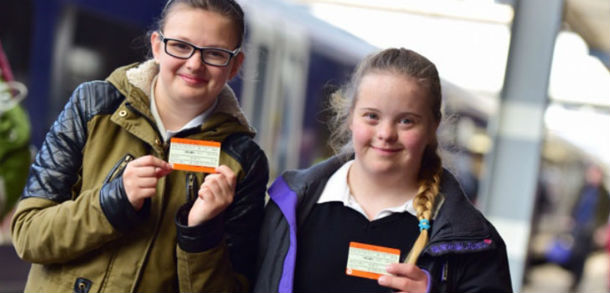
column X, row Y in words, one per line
column 183, row 50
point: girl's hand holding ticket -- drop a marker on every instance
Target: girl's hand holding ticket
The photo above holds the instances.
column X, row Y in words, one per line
column 405, row 278
column 215, row 195
column 140, row 178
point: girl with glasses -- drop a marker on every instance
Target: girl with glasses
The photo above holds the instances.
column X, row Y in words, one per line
column 103, row 210
column 383, row 213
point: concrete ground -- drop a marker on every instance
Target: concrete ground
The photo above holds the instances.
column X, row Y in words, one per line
column 552, row 278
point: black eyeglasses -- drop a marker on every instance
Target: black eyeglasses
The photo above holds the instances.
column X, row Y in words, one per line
column 209, row 55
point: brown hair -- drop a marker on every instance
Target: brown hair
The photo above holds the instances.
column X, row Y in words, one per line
column 412, row 65
column 227, row 8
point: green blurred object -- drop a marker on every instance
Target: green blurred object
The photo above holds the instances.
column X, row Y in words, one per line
column 15, row 155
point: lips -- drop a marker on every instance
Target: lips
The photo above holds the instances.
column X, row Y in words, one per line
column 386, row 150
column 192, row 79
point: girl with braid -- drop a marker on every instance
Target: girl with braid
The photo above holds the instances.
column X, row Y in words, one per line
column 382, row 214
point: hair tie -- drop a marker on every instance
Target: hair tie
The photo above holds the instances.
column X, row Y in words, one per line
column 424, row 224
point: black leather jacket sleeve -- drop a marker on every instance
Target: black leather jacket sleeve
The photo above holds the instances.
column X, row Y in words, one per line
column 242, row 219
column 53, row 181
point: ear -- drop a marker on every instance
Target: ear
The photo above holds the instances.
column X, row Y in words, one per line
column 156, row 45
column 238, row 60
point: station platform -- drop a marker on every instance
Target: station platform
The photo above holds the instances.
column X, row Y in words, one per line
column 552, row 278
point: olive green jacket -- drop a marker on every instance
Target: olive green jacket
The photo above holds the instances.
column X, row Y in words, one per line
column 76, row 226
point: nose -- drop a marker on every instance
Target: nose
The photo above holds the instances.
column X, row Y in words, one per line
column 386, row 131
column 195, row 61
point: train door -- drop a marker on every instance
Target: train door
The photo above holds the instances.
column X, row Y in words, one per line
column 274, row 85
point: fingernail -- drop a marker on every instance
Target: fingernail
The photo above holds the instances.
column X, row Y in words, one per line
column 382, row 280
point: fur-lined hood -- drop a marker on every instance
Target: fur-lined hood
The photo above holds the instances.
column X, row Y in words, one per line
column 139, row 76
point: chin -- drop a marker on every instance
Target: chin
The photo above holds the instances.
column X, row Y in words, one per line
column 193, row 93
column 383, row 168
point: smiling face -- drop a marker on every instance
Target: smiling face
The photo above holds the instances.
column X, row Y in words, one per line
column 391, row 125
column 190, row 81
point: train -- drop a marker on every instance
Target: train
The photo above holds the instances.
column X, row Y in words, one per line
column 294, row 60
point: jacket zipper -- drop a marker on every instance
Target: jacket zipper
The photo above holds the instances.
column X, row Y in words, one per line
column 191, row 187
column 445, row 273
column 118, row 168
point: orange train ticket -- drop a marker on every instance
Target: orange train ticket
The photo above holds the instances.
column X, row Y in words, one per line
column 194, row 155
column 370, row 261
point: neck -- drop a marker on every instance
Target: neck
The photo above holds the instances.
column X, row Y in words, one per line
column 175, row 115
column 375, row 192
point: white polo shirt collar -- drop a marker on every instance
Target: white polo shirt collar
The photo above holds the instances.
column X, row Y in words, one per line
column 337, row 189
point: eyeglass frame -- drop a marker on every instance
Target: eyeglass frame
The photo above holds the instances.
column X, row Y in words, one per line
column 202, row 50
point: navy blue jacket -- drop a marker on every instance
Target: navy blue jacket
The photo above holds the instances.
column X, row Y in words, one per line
column 465, row 253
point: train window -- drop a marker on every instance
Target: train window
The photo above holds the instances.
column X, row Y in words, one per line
column 89, row 46
column 288, row 121
column 273, row 89
column 327, row 71
column 259, row 91
column 15, row 31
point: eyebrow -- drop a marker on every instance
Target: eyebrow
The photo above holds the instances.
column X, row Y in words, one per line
column 182, row 39
column 365, row 109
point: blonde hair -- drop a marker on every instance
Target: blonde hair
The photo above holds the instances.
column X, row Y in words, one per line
column 413, row 65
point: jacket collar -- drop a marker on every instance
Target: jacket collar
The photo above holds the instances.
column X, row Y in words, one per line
column 454, row 216
column 134, row 82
